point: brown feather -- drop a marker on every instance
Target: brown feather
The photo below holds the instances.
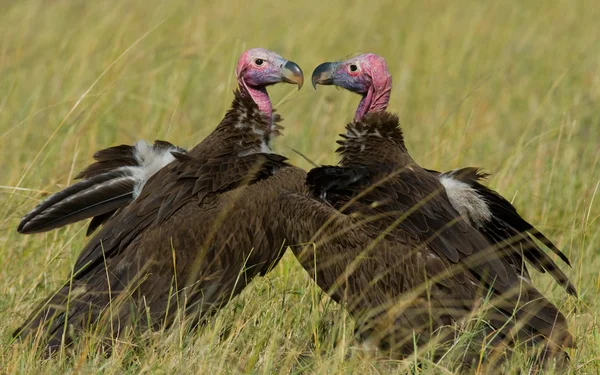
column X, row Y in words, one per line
column 508, row 229
column 391, row 247
column 211, row 211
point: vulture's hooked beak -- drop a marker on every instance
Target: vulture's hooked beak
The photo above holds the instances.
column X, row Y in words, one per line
column 291, row 73
column 323, row 74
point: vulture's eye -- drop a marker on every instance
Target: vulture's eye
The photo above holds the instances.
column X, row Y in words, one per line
column 258, row 62
column 353, row 68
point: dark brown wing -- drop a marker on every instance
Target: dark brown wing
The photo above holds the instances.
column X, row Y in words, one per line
column 108, row 184
column 188, row 179
column 415, row 203
column 383, row 282
column 209, row 251
column 94, row 197
column 506, row 227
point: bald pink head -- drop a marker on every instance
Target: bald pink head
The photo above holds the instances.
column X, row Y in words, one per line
column 258, row 68
column 366, row 75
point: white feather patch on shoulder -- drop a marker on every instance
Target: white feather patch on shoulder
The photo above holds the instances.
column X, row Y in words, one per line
column 466, row 201
column 150, row 160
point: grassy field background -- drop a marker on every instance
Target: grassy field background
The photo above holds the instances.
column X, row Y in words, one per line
column 511, row 86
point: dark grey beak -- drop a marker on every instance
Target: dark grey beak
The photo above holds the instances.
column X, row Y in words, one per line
column 323, row 74
column 291, row 73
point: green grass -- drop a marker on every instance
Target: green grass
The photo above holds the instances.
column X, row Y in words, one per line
column 511, row 86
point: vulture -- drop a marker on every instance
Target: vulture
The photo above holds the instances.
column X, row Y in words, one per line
column 485, row 209
column 405, row 253
column 108, row 185
column 185, row 239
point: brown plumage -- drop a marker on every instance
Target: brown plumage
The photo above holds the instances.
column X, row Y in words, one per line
column 407, row 265
column 486, row 210
column 198, row 232
column 506, row 228
column 400, row 251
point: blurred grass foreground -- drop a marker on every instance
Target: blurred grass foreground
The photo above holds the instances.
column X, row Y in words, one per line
column 513, row 87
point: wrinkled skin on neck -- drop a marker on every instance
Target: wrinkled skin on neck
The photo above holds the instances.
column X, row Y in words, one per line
column 377, row 96
column 258, row 94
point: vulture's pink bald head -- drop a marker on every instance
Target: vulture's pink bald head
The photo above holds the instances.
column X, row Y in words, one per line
column 258, row 68
column 366, row 75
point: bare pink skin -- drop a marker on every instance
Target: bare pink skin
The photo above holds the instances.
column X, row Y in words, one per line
column 253, row 78
column 367, row 75
column 378, row 94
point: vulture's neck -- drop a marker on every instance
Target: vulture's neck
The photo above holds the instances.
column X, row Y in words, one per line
column 259, row 95
column 374, row 140
column 244, row 130
column 376, row 99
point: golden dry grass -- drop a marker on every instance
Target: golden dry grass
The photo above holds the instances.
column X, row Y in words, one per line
column 512, row 86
